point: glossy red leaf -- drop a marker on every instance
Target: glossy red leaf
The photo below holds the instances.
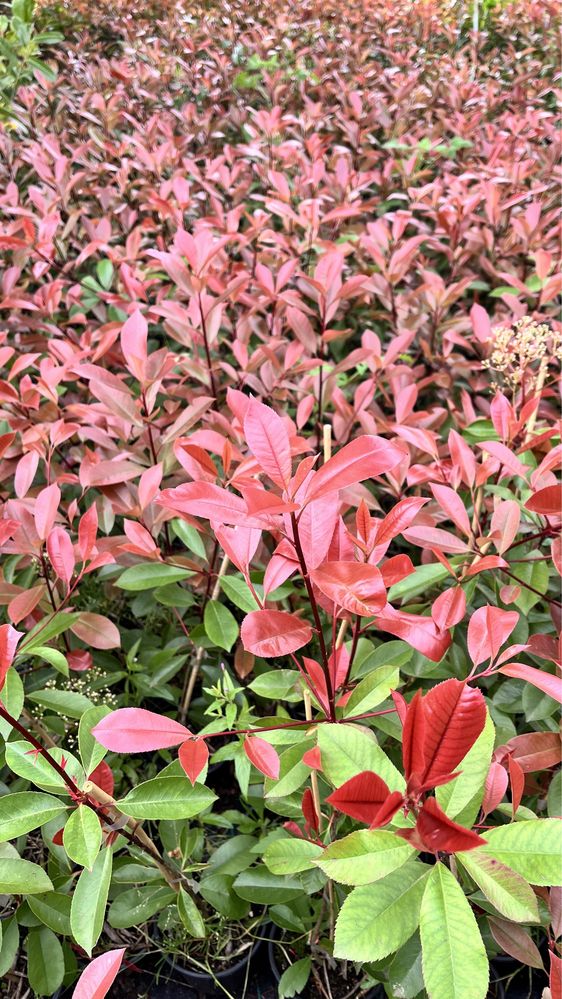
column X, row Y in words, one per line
column 193, row 755
column 205, row 499
column 536, row 750
column 363, row 458
column 239, row 543
column 549, row 684
column 413, row 737
column 61, row 553
column 355, row 586
column 24, row 603
column 136, row 730
column 420, row 632
column 313, row 759
column 262, row 755
column 98, row 976
column 364, row 798
column 555, row 975
column 134, row 344
column 317, row 524
column 102, row 776
column 547, row 501
column 79, row 660
column 449, row 607
column 438, row 832
column 309, row 812
column 270, row 633
column 96, row 630
column 87, row 532
column 9, row 639
column 453, row 506
column 455, row 715
column 495, row 787
column 435, row 537
column 488, row 629
column 395, row 569
column 268, row 440
column 45, row 511
column 504, row 525
column 517, row 781
column 398, row 519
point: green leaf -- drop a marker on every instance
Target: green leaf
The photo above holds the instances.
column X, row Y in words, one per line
column 91, row 751
column 453, row 952
column 217, row 890
column 277, row 685
column 87, row 911
column 21, row 877
column 104, row 271
column 508, row 892
column 82, row 836
column 405, row 970
column 26, row 810
column 148, row 575
column 53, row 909
column 364, row 856
column 10, row 945
column 238, row 591
column 39, row 771
column 290, row 855
column 190, row 537
column 462, row 797
column 45, row 961
column 372, row 690
column 294, row 979
column 260, row 886
column 424, row 577
column 45, row 630
column 348, row 750
column 167, row 798
column 137, row 905
column 221, row 626
column 190, row 915
column 292, row 772
column 12, row 698
column 64, row 702
column 554, row 797
column 376, row 919
column 53, row 657
column 535, row 574
column 531, row 848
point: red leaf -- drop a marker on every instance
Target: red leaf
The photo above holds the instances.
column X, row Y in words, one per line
column 413, row 737
column 313, row 759
column 317, row 524
column 455, row 715
column 102, row 776
column 547, row 501
column 134, row 344
column 398, row 519
column 449, row 608
column 193, row 755
column 61, row 553
column 97, row 631
column 205, row 499
column 364, row 798
column 87, row 532
column 485, row 563
column 355, row 586
column 99, row 975
column 271, row 633
column 9, row 639
column 46, row 506
column 536, row 750
column 508, row 461
column 239, row 543
column 79, row 660
column 395, row 569
column 549, row 684
column 452, row 504
column 434, row 537
column 480, row 323
column 505, row 524
column 25, row 473
column 363, row 458
column 495, row 787
column 555, row 975
column 515, row 941
column 517, row 781
column 488, row 629
column 268, row 441
column 24, row 603
column 420, row 632
column 263, row 756
column 438, row 832
column 309, row 811
column 136, row 730
column 318, row 682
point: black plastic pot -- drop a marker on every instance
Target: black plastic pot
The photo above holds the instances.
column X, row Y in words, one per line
column 204, row 986
column 514, row 980
column 377, row 992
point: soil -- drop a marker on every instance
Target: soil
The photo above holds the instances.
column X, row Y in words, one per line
column 340, row 988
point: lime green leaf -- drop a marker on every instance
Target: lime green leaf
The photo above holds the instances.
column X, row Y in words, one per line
column 462, row 797
column 508, row 892
column 148, row 575
column 377, row 919
column 190, row 915
column 21, row 877
column 238, row 591
column 453, row 953
column 12, row 699
column 53, row 657
column 45, row 630
column 348, row 750
column 82, row 836
column 277, row 685
column 292, row 772
column 167, row 798
column 87, row 911
column 104, row 271
column 364, row 856
column 45, row 961
column 53, row 909
column 39, row 771
column 531, row 848
column 26, row 810
column 64, row 702
column 91, row 751
column 372, row 690
column 190, row 537
column 221, row 626
column 290, row 855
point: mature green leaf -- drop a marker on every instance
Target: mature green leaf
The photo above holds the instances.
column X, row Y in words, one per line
column 376, row 919
column 277, row 685
column 148, row 575
column 22, row 811
column 511, row 895
column 221, row 626
column 12, row 699
column 290, row 855
column 53, row 909
column 167, row 798
column 453, row 952
column 82, row 836
column 190, row 537
column 38, row 770
column 45, row 630
column 64, row 702
column 53, row 657
column 462, row 797
column 218, row 891
column 238, row 591
column 260, row 886
column 91, row 751
column 45, row 961
column 292, row 772
column 21, row 877
column 347, row 750
column 10, row 945
column 294, row 979
column 190, row 915
column 372, row 690
column 87, row 911
column 134, row 906
column 364, row 856
column 532, row 848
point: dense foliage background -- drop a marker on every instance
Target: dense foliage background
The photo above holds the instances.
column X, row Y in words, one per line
column 348, row 214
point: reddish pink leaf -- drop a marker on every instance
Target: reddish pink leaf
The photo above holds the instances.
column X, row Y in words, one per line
column 462, row 457
column 363, row 458
column 556, row 552
column 438, row 832
column 136, row 730
column 398, row 519
column 495, row 788
column 536, row 750
column 61, row 553
column 420, row 632
column 449, row 608
column 549, row 684
column 517, row 781
column 318, row 682
column 24, row 603
column 193, row 755
column 313, row 759
column 485, row 563
column 505, row 524
column 455, row 715
column 434, row 537
column 488, row 629
column 79, row 660
column 142, row 542
column 515, row 941
column 149, row 484
column 400, row 704
column 204, row 499
column 362, row 797
column 317, row 524
column 452, row 504
column 555, row 975
column 99, row 975
column 268, row 440
column 9, row 639
column 309, row 812
column 87, row 532
column 102, row 776
column 413, row 737
column 271, row 633
column 97, row 631
column 134, row 344
column 263, row 756
column 480, row 323
column 46, row 506
column 506, row 458
column 355, row 586
column 395, row 569
column 239, row 543
column 25, row 473
column 547, row 501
